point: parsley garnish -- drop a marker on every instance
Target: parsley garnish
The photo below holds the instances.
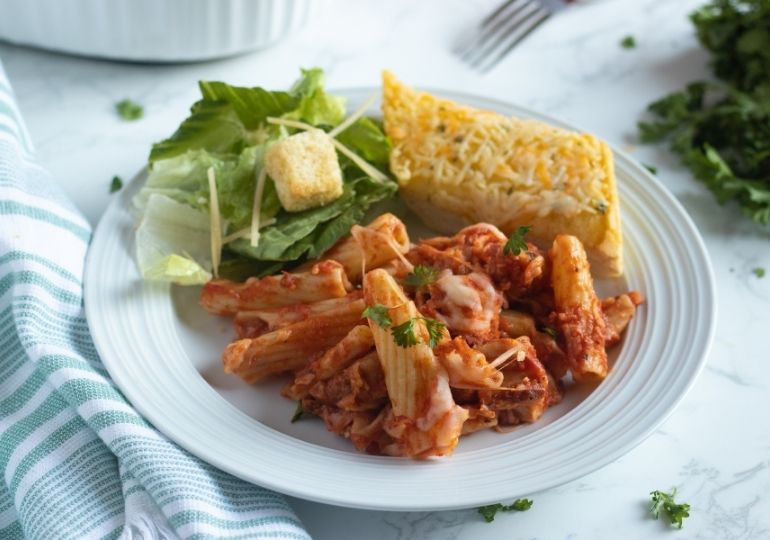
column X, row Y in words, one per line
column 421, row 276
column 759, row 272
column 628, row 42
column 665, row 501
column 129, row 110
column 488, row 512
column 653, row 170
column 298, row 412
column 116, row 184
column 516, row 243
column 404, row 334
column 378, row 314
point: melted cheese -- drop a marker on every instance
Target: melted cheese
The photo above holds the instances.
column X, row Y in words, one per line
column 470, row 304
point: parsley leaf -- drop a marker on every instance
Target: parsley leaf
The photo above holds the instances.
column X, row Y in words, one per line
column 116, row 184
column 435, row 331
column 661, row 500
column 129, row 110
column 488, row 512
column 759, row 272
column 516, row 243
column 421, row 276
column 298, row 412
column 378, row 314
column 628, row 42
column 653, row 170
column 404, row 335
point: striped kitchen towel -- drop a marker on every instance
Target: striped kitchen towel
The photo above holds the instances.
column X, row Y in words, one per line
column 77, row 460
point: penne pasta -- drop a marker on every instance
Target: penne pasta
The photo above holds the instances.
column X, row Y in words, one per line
column 381, row 241
column 578, row 314
column 424, row 418
column 251, row 323
column 292, row 347
column 322, row 281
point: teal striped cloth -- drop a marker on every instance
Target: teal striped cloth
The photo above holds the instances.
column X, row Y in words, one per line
column 77, row 460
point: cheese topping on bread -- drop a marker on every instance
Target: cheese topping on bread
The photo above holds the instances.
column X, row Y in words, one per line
column 457, row 165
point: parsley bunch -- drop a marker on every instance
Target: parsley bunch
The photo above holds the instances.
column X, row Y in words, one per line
column 721, row 130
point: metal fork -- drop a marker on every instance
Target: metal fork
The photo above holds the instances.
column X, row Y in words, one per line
column 501, row 30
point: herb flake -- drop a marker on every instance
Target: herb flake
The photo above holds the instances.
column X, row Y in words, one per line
column 516, row 243
column 759, row 272
column 129, row 110
column 628, row 42
column 421, row 276
column 489, row 511
column 378, row 315
column 662, row 501
column 116, row 184
column 405, row 336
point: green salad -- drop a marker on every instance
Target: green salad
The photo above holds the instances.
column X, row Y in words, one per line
column 226, row 136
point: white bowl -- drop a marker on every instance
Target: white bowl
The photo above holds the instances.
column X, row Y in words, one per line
column 153, row 30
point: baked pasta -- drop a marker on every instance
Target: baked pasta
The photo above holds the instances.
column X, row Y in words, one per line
column 403, row 348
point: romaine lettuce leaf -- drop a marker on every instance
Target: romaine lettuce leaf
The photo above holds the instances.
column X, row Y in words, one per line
column 172, row 242
column 184, row 178
column 212, row 126
column 316, row 107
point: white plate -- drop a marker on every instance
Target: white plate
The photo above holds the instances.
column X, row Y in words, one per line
column 163, row 351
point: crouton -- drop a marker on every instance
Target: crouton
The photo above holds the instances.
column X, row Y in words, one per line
column 305, row 170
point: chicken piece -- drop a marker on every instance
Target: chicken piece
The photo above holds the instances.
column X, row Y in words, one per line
column 526, row 391
column 354, row 345
column 516, row 324
column 359, row 387
column 618, row 311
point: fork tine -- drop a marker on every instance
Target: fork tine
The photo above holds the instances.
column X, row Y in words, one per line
column 522, row 31
column 490, row 25
column 498, row 35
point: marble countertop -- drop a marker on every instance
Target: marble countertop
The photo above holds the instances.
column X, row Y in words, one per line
column 715, row 448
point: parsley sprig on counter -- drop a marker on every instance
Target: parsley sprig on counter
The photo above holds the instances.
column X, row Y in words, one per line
column 721, row 130
column 489, row 511
column 664, row 502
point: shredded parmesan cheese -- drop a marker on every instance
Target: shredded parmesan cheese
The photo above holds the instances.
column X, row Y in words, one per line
column 257, row 207
column 350, row 120
column 245, row 232
column 216, row 223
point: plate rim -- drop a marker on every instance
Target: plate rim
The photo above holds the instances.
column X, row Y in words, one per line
column 671, row 203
